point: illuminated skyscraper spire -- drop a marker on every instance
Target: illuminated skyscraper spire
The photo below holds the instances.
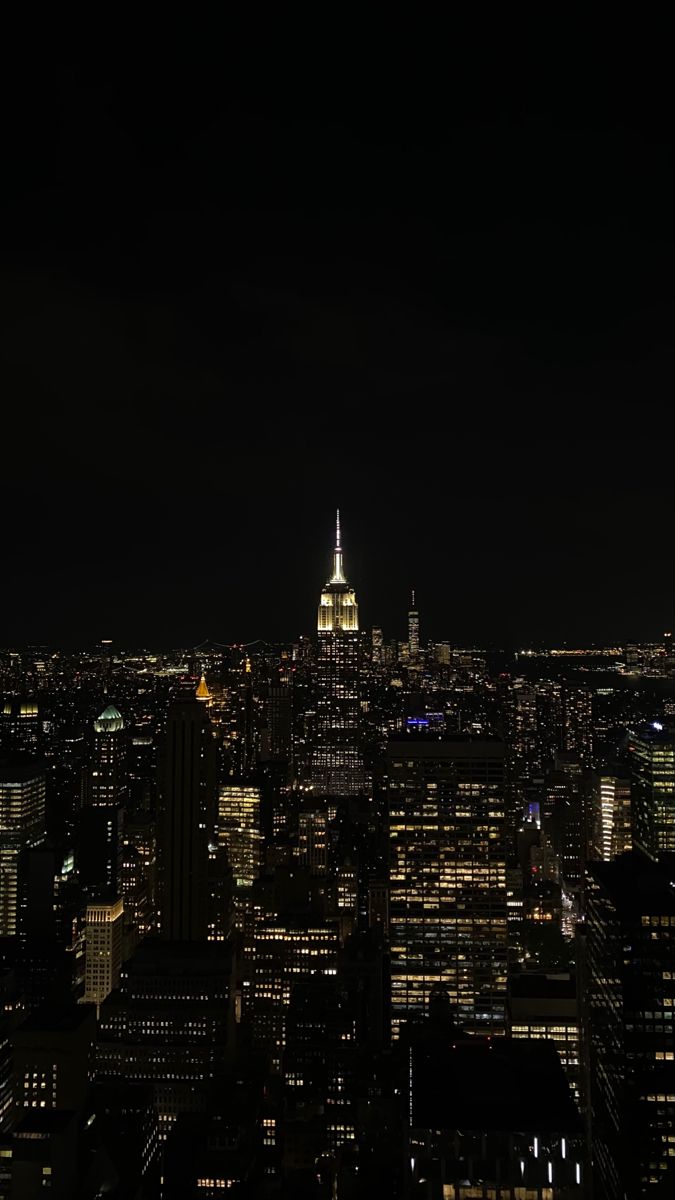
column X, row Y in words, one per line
column 338, row 573
column 413, row 630
column 337, row 764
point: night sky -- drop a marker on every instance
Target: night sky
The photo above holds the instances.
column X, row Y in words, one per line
column 435, row 291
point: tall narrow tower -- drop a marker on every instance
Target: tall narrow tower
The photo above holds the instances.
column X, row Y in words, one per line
column 188, row 790
column 413, row 630
column 337, row 765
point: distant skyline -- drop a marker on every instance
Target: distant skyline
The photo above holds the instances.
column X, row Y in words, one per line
column 440, row 300
column 568, row 572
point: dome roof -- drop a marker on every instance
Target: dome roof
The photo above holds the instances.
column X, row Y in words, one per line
column 110, row 720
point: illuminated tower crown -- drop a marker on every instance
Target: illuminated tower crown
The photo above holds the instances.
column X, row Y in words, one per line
column 337, row 607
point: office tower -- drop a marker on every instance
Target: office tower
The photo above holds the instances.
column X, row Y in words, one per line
column 563, row 821
column 203, row 694
column 443, row 654
column 413, row 631
column 126, row 1138
column 187, row 820
column 139, row 873
column 576, row 729
column 238, row 831
column 279, row 723
column 317, row 1057
column 11, row 1013
column 100, row 848
column 106, row 662
column 610, row 833
column 219, row 1154
column 20, row 726
column 103, row 949
column 447, row 904
column 240, row 718
column 630, row 1000
column 337, row 765
column 523, row 759
column 288, row 942
column 546, row 1006
column 40, row 1156
column 53, row 1056
column 100, row 828
column 22, row 824
column 492, row 1118
column 313, row 840
column 142, row 773
column 651, row 752
column 377, row 647
column 170, row 1024
column 108, row 786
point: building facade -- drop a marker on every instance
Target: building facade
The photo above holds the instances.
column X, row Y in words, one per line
column 652, row 761
column 447, row 864
column 22, row 824
column 630, row 1000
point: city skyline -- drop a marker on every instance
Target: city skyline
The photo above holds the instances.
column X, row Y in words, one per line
column 482, row 612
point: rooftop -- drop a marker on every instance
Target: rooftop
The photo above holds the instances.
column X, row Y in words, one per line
column 636, row 884
column 55, row 1018
column 501, row 1084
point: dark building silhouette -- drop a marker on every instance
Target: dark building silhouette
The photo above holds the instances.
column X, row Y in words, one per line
column 187, row 820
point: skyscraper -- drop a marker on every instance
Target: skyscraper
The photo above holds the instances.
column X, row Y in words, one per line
column 238, row 831
column 101, row 824
column 103, row 949
column 187, row 820
column 337, row 764
column 652, row 761
column 610, row 817
column 413, row 631
column 22, row 824
column 108, row 774
column 447, row 920
column 630, row 1000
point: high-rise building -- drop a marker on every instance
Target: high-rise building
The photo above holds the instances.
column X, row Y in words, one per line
column 652, row 761
column 546, row 1006
column 22, row 824
column 630, row 1001
column 492, row 1118
column 286, row 951
column 377, row 647
column 53, row 1051
column 100, row 829
column 279, row 723
column 108, row 773
column 103, row 949
column 187, row 820
column 447, row 915
column 238, row 831
column 170, row 1024
column 413, row 631
column 20, row 725
column 337, row 763
column 313, row 840
column 610, row 833
column 576, row 723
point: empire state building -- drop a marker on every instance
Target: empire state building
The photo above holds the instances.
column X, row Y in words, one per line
column 337, row 764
